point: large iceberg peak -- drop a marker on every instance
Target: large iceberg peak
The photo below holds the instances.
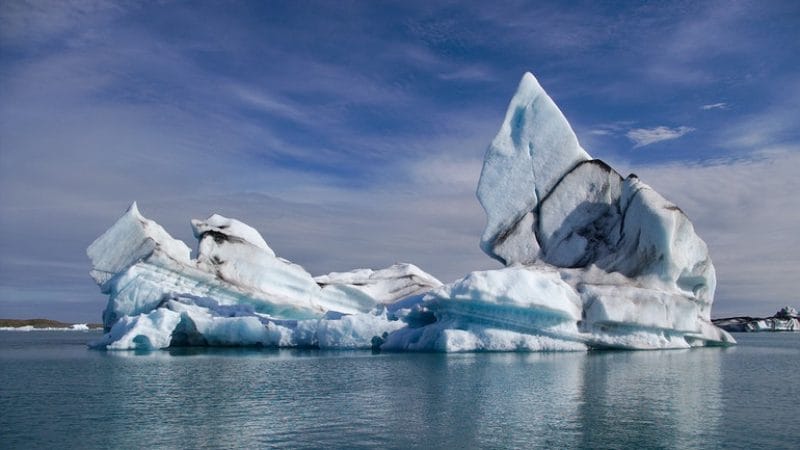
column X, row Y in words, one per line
column 534, row 148
column 547, row 200
column 632, row 255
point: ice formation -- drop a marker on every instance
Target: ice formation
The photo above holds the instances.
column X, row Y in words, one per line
column 236, row 292
column 786, row 319
column 593, row 260
column 73, row 327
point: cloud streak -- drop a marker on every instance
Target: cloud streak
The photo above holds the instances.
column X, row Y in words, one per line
column 721, row 105
column 647, row 136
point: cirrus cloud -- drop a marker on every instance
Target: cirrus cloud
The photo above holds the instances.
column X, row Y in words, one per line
column 720, row 105
column 646, row 136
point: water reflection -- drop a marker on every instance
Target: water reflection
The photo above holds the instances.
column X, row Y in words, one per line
column 283, row 397
column 664, row 398
column 226, row 398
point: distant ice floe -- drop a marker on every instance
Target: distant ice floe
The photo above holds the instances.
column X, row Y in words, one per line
column 786, row 319
column 73, row 327
column 593, row 260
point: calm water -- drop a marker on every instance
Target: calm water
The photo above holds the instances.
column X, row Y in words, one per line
column 56, row 393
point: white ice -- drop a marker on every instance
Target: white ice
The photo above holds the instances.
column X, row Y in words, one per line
column 520, row 166
column 202, row 321
column 385, row 285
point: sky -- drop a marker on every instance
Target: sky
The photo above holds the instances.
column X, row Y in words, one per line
column 351, row 134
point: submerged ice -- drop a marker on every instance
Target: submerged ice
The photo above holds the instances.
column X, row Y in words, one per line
column 592, row 260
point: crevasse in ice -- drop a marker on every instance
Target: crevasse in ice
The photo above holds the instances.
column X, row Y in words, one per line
column 593, row 260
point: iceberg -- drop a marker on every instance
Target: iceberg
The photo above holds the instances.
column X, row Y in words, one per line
column 786, row 319
column 236, row 292
column 592, row 260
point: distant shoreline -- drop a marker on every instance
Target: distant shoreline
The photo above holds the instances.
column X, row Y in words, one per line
column 45, row 324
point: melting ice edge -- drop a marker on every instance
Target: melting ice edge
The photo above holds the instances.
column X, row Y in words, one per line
column 592, row 260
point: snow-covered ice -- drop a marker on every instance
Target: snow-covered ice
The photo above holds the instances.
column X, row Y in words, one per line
column 593, row 260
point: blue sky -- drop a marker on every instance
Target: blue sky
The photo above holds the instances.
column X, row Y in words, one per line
column 351, row 134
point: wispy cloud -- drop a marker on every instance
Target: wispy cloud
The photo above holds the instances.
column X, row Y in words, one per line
column 647, row 136
column 268, row 103
column 474, row 73
column 610, row 129
column 773, row 124
column 720, row 105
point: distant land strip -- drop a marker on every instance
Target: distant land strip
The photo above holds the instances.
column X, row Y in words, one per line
column 42, row 323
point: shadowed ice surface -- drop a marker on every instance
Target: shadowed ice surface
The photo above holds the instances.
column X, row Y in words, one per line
column 56, row 393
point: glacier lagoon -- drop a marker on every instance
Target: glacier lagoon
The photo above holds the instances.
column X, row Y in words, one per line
column 592, row 262
column 56, row 393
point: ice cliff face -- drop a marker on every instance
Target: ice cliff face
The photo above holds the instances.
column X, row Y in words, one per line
column 593, row 260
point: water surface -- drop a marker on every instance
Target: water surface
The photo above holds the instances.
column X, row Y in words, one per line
column 55, row 392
